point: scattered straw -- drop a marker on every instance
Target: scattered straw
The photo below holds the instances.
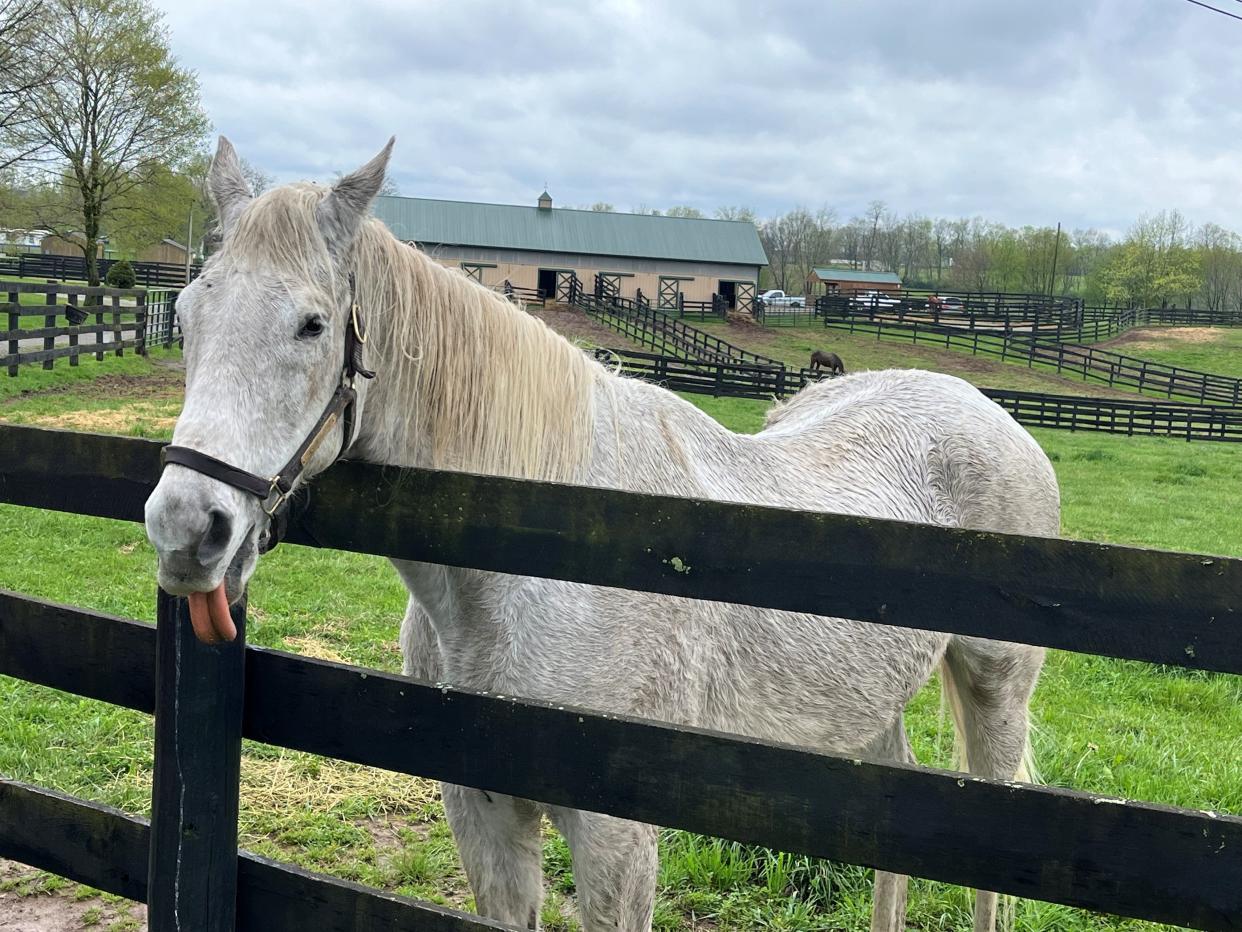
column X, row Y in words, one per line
column 314, row 648
column 294, row 781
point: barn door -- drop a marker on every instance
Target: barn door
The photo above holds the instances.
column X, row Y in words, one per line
column 745, row 292
column 670, row 289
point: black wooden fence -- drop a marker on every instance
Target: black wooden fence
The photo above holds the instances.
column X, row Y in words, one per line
column 1130, row 416
column 73, row 268
column 69, row 321
column 515, row 293
column 1133, row 859
column 1087, row 362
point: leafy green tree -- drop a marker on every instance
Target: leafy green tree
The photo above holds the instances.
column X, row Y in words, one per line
column 1154, row 265
column 118, row 115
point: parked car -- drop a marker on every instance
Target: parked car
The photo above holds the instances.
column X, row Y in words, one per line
column 875, row 299
column 946, row 303
column 778, row 298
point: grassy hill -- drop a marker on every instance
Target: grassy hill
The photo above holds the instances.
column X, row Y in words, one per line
column 1208, row 349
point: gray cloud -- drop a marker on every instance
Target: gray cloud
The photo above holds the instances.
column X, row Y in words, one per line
column 1085, row 111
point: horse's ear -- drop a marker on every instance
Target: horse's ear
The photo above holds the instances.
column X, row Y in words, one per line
column 341, row 213
column 228, row 185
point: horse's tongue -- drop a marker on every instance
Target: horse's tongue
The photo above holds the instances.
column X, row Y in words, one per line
column 209, row 616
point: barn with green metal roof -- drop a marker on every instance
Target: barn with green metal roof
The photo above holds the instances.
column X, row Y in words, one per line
column 544, row 246
column 834, row 281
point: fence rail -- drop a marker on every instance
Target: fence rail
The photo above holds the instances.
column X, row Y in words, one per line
column 1134, row 859
column 73, row 268
column 532, row 296
column 56, row 327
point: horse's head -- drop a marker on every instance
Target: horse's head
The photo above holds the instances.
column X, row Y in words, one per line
column 269, row 350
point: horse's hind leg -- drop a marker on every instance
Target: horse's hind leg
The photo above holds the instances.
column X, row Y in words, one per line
column 501, row 849
column 888, row 910
column 615, row 869
column 988, row 685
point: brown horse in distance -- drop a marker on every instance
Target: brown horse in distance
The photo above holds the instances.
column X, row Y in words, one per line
column 825, row 360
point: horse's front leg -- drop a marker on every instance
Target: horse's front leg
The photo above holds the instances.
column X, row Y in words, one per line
column 500, row 846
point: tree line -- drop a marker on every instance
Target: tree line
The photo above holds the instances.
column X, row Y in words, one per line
column 1161, row 260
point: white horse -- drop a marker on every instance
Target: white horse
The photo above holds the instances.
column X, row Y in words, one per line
column 265, row 327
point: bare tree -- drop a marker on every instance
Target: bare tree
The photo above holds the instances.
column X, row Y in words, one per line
column 875, row 214
column 257, row 178
column 786, row 240
column 683, row 211
column 602, row 207
column 23, row 70
column 736, row 213
column 116, row 114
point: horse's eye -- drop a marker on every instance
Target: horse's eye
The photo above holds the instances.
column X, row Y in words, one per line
column 311, row 327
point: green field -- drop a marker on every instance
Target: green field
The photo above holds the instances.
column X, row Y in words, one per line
column 1217, row 349
column 1118, row 728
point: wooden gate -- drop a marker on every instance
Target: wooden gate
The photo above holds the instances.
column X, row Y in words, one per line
column 607, row 285
column 568, row 287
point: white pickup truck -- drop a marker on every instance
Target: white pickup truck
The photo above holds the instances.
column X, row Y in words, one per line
column 780, row 299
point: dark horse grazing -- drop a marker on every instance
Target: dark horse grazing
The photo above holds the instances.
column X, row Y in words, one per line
column 830, row 361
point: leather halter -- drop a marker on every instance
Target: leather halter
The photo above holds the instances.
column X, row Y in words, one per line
column 274, row 491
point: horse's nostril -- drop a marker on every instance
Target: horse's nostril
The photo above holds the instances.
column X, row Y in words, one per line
column 216, row 538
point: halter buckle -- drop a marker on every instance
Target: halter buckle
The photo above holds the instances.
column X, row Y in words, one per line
column 275, row 498
column 355, row 319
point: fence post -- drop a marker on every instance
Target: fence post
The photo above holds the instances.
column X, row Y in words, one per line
column 97, row 300
column 192, row 865
column 141, row 314
column 71, row 314
column 15, row 323
column 117, row 335
column 49, row 321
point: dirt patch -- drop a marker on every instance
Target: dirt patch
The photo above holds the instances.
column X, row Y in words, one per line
column 576, row 326
column 28, row 904
column 1158, row 337
column 116, row 421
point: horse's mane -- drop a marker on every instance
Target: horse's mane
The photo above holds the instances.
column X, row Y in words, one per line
column 465, row 380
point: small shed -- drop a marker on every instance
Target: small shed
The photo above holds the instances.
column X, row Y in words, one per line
column 838, row 281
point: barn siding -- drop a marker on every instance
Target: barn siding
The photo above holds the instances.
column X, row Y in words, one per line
column 522, row 268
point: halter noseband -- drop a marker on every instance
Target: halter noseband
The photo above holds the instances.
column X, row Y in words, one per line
column 274, row 491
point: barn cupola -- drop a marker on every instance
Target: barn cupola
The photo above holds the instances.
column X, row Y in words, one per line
column 545, row 201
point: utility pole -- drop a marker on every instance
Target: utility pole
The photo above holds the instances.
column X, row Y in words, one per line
column 189, row 239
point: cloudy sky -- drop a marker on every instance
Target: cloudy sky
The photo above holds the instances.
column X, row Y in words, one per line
column 1087, row 112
